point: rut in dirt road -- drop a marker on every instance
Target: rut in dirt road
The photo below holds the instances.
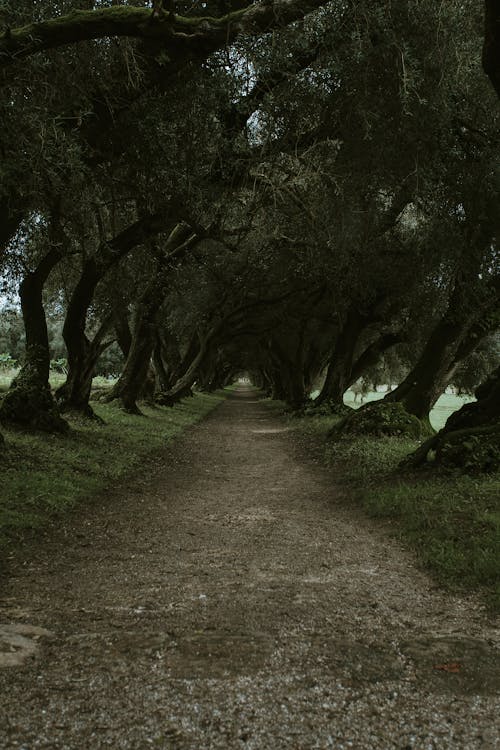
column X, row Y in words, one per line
column 235, row 600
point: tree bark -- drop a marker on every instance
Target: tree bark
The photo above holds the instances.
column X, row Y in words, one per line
column 122, row 327
column 82, row 353
column 29, row 402
column 470, row 439
column 74, row 395
column 339, row 373
column 184, row 39
column 454, row 337
column 161, row 374
column 372, row 354
column 131, row 382
column 182, row 386
column 75, row 392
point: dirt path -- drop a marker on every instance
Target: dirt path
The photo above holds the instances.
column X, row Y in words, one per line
column 231, row 601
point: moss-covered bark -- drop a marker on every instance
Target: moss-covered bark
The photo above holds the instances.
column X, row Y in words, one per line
column 470, row 439
column 181, row 38
column 29, row 402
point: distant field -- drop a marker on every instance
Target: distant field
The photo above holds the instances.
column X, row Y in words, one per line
column 56, row 380
column 446, row 405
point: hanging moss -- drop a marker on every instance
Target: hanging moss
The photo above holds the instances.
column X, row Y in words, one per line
column 381, row 419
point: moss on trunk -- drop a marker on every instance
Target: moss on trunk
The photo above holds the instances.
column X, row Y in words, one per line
column 182, row 38
column 29, row 403
column 470, row 439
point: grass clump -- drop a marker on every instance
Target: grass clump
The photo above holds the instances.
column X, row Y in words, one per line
column 452, row 520
column 43, row 475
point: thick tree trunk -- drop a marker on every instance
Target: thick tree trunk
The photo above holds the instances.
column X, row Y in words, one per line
column 29, row 402
column 470, row 439
column 75, row 394
column 286, row 355
column 131, row 382
column 82, row 355
column 182, row 387
column 137, row 372
column 161, row 375
column 339, row 372
column 122, row 327
column 372, row 354
column 174, row 363
column 422, row 387
column 454, row 337
column 292, row 378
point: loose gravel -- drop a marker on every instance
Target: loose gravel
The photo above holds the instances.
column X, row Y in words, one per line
column 232, row 598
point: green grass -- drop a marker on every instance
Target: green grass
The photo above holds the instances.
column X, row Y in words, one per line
column 44, row 475
column 56, row 379
column 452, row 521
column 445, row 405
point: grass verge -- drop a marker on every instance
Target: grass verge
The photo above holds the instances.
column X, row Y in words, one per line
column 45, row 475
column 451, row 520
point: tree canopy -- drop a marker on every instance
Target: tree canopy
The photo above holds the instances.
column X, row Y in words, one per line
column 297, row 190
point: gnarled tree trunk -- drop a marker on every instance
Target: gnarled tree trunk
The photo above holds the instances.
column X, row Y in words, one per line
column 74, row 394
column 454, row 337
column 470, row 439
column 29, row 402
column 131, row 382
column 82, row 353
column 338, row 376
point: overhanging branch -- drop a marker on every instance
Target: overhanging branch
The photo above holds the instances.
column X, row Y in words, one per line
column 180, row 38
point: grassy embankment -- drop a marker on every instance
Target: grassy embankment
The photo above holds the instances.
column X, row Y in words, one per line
column 45, row 475
column 451, row 520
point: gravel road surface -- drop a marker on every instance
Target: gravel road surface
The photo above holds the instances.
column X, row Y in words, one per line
column 232, row 598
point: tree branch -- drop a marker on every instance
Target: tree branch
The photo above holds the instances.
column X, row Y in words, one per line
column 182, row 39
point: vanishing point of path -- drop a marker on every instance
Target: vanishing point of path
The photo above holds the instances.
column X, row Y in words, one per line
column 233, row 599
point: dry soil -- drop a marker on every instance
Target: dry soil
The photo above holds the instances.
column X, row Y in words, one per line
column 232, row 598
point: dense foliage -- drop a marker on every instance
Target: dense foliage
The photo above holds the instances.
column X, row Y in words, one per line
column 307, row 192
